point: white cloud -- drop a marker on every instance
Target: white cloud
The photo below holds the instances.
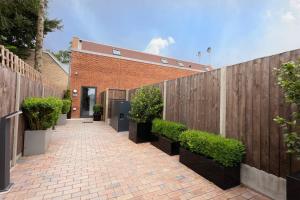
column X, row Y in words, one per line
column 157, row 44
column 288, row 17
column 295, row 4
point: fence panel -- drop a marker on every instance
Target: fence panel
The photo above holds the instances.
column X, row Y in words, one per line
column 195, row 101
column 253, row 100
column 31, row 85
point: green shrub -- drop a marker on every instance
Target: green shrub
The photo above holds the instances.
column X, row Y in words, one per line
column 169, row 129
column 98, row 109
column 41, row 113
column 58, row 104
column 66, row 106
column 228, row 152
column 288, row 78
column 67, row 94
column 146, row 105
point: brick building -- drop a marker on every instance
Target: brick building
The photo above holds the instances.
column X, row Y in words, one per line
column 96, row 67
column 53, row 70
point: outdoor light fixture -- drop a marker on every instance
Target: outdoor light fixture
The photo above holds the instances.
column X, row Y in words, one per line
column 74, row 109
column 76, row 73
column 75, row 92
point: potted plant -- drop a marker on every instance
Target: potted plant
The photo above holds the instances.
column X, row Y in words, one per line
column 64, row 110
column 166, row 135
column 40, row 115
column 212, row 156
column 146, row 105
column 98, row 110
column 288, row 76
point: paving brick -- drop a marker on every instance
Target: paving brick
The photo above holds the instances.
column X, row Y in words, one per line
column 92, row 161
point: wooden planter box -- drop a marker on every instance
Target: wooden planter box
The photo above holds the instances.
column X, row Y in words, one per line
column 62, row 120
column 293, row 186
column 36, row 142
column 139, row 132
column 224, row 177
column 165, row 144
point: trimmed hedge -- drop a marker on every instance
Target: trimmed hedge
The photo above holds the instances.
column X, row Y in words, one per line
column 169, row 129
column 227, row 152
column 41, row 113
column 66, row 106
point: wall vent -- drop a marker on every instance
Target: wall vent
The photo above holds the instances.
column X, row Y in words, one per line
column 116, row 52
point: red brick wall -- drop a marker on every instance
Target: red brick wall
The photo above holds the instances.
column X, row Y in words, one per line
column 106, row 72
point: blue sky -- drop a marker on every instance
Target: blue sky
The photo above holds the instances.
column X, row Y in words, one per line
column 236, row 30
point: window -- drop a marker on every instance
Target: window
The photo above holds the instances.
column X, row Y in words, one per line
column 165, row 61
column 180, row 64
column 116, row 52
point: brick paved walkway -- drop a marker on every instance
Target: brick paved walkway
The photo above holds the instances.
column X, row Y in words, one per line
column 92, row 161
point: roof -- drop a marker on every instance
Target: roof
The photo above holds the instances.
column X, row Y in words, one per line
column 64, row 67
column 103, row 49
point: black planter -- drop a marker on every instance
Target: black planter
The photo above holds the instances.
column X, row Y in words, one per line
column 140, row 132
column 293, row 186
column 224, row 177
column 97, row 116
column 165, row 144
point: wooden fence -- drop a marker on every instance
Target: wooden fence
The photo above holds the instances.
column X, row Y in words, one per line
column 238, row 101
column 106, row 98
column 18, row 81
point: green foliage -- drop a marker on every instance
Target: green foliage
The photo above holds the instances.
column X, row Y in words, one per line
column 63, row 56
column 98, row 109
column 169, row 129
column 228, row 152
column 58, row 104
column 288, row 77
column 18, row 25
column 146, row 105
column 41, row 113
column 66, row 106
column 67, row 94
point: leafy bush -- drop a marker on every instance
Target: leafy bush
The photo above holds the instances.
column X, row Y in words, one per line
column 169, row 129
column 146, row 105
column 58, row 104
column 41, row 113
column 227, row 152
column 98, row 109
column 66, row 106
column 67, row 94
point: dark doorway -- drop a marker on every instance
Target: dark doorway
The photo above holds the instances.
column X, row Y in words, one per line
column 88, row 100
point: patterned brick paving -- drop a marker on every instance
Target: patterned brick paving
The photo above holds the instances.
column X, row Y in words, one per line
column 92, row 161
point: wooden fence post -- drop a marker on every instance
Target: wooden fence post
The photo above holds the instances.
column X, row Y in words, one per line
column 127, row 95
column 16, row 120
column 165, row 100
column 106, row 105
column 223, row 102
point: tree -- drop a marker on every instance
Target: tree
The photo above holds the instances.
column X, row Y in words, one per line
column 38, row 58
column 18, row 25
column 63, row 56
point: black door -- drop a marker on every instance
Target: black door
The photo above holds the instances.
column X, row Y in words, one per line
column 88, row 100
